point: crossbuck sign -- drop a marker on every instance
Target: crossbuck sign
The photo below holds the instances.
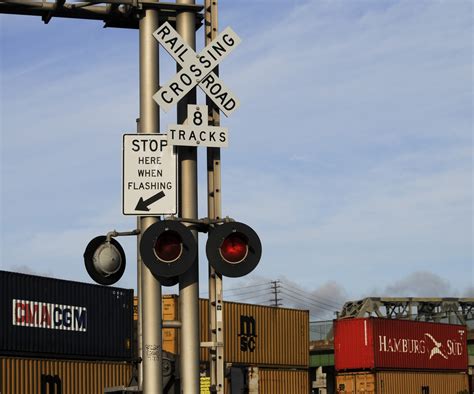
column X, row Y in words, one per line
column 196, row 69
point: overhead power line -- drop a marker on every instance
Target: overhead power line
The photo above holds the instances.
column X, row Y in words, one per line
column 307, row 302
column 317, row 299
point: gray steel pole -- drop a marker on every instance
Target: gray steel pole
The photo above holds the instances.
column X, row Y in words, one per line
column 214, row 201
column 152, row 378
column 188, row 282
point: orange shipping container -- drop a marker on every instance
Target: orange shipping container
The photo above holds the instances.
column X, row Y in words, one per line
column 34, row 376
column 390, row 382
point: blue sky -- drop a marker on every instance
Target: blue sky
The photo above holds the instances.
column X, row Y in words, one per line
column 351, row 153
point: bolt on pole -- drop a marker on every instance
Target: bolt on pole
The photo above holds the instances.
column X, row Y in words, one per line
column 151, row 346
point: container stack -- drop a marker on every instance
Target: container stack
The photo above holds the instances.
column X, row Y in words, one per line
column 400, row 356
column 266, row 348
column 66, row 337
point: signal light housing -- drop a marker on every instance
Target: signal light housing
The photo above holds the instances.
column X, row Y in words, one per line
column 104, row 260
column 233, row 249
column 168, row 248
column 168, row 282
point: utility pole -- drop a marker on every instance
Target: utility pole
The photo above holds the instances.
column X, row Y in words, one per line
column 276, row 290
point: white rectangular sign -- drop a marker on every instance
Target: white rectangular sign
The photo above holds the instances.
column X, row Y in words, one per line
column 149, row 175
column 190, row 135
column 197, row 132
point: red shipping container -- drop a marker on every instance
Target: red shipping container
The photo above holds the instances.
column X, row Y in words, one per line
column 399, row 344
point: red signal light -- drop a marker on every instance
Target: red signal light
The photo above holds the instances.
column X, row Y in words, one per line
column 168, row 246
column 234, row 248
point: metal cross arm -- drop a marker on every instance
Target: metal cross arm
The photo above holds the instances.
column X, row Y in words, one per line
column 197, row 69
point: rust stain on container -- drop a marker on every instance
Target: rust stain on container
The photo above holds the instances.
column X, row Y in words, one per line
column 34, row 376
column 396, row 382
column 281, row 381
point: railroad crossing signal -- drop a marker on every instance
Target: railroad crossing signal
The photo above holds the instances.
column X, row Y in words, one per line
column 196, row 69
column 233, row 249
column 104, row 260
column 168, row 248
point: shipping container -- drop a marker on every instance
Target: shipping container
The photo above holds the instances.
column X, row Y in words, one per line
column 45, row 317
column 170, row 336
column 399, row 344
column 253, row 334
column 398, row 382
column 278, row 381
column 45, row 376
column 262, row 335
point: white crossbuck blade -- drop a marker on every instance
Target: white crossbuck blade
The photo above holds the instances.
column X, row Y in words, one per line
column 197, row 69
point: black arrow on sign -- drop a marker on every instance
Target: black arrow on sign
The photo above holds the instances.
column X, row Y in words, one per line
column 143, row 204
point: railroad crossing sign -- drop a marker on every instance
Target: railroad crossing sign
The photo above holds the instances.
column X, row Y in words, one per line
column 197, row 132
column 196, row 69
column 149, row 175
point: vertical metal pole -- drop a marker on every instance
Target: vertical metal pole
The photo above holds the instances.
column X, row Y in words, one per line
column 152, row 378
column 188, row 208
column 140, row 301
column 216, row 304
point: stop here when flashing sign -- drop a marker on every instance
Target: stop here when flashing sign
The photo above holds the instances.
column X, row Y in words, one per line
column 149, row 175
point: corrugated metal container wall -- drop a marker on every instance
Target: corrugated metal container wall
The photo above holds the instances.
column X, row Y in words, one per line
column 249, row 332
column 261, row 335
column 170, row 336
column 44, row 317
column 170, row 312
column 397, row 382
column 355, row 383
column 280, row 381
column 413, row 382
column 43, row 376
column 399, row 344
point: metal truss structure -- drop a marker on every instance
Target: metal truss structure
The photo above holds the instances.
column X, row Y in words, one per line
column 449, row 310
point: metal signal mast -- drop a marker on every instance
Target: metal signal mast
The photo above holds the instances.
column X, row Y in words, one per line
column 167, row 246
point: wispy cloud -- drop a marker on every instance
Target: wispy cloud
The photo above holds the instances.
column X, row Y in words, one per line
column 351, row 154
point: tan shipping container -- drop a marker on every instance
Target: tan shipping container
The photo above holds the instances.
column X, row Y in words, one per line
column 282, row 381
column 253, row 334
column 396, row 382
column 170, row 312
column 261, row 335
column 38, row 376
